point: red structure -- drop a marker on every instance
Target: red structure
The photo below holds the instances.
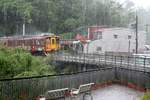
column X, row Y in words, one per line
column 81, row 38
column 94, row 29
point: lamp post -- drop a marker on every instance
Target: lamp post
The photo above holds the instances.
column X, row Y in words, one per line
column 129, row 47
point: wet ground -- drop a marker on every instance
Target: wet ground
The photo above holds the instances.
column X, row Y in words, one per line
column 113, row 92
column 116, row 92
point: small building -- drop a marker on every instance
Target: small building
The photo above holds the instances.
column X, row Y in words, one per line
column 120, row 40
column 93, row 30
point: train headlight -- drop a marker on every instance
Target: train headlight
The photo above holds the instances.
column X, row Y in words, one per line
column 39, row 49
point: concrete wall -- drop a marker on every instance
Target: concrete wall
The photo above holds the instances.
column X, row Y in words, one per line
column 135, row 77
column 121, row 44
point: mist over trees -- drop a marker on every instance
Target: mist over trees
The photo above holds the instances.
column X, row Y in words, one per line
column 59, row 16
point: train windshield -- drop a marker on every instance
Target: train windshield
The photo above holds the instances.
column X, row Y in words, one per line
column 53, row 41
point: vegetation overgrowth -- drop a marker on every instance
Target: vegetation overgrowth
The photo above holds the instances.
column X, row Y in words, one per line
column 146, row 96
column 16, row 62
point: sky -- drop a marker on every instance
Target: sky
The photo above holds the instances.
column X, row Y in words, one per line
column 139, row 3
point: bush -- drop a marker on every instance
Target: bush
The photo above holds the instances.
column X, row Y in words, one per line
column 16, row 62
column 146, row 96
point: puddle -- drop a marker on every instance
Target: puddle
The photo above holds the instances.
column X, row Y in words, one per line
column 117, row 92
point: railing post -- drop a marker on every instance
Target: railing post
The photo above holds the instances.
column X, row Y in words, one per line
column 112, row 59
column 99, row 59
column 121, row 62
column 116, row 76
column 128, row 61
column 144, row 65
column 135, row 62
column 93, row 58
column 78, row 56
column 65, row 57
column 105, row 59
column 115, row 61
column 68, row 57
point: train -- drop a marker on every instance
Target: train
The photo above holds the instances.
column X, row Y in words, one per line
column 33, row 43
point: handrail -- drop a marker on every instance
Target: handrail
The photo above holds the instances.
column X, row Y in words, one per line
column 42, row 76
column 36, row 85
column 104, row 59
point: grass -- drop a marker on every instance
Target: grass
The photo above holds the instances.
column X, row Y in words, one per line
column 146, row 96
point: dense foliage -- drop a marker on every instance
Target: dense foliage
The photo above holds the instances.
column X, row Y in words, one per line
column 19, row 63
column 146, row 96
column 60, row 16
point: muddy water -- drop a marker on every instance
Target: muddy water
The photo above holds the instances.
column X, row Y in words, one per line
column 117, row 92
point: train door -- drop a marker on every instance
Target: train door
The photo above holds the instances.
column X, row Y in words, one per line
column 48, row 44
column 53, row 43
column 57, row 43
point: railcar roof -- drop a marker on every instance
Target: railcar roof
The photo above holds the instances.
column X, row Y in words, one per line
column 25, row 37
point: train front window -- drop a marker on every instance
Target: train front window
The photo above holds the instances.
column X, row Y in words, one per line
column 53, row 41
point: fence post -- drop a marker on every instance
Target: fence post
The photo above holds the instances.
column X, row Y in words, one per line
column 116, row 76
column 121, row 62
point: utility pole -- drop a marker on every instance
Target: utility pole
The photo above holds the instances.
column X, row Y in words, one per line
column 136, row 31
column 129, row 45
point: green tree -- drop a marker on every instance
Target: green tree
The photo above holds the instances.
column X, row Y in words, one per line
column 14, row 13
column 61, row 16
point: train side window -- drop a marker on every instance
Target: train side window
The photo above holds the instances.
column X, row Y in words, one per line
column 48, row 40
column 37, row 42
column 57, row 40
column 29, row 42
column 32, row 42
column 42, row 42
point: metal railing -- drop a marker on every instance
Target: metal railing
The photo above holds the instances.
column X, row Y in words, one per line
column 29, row 88
column 128, row 62
column 130, row 69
